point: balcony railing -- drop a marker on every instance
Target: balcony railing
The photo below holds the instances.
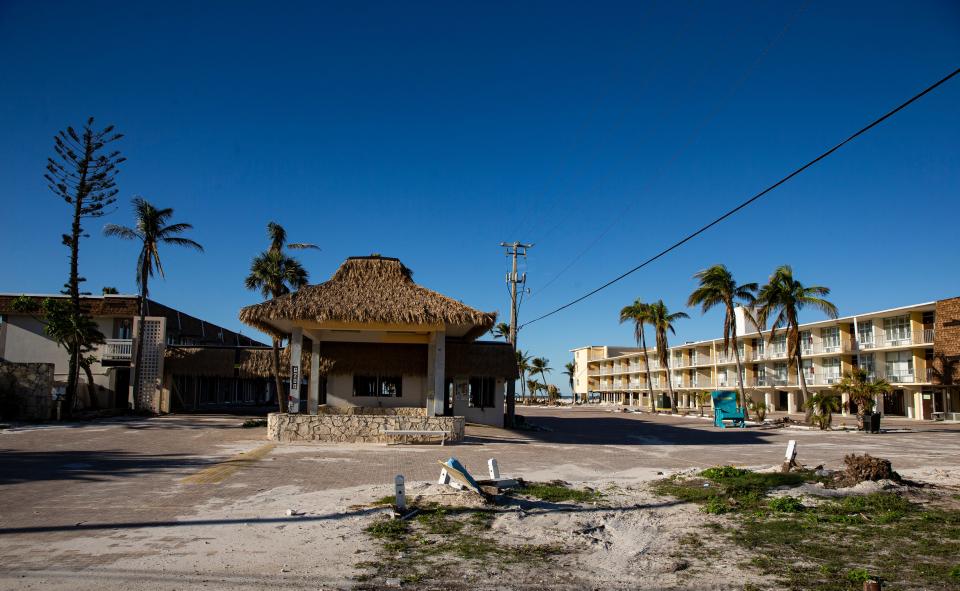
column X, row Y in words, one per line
column 901, row 378
column 880, row 339
column 117, row 350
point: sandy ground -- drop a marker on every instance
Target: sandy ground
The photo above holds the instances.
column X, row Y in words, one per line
column 107, row 505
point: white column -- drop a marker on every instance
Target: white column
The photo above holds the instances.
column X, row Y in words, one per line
column 768, row 400
column 313, row 397
column 791, row 402
column 436, row 372
column 844, row 401
column 296, row 347
column 878, row 403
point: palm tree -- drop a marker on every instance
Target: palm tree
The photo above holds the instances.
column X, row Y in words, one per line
column 570, row 370
column 662, row 321
column 639, row 314
column 782, row 299
column 821, row 407
column 718, row 288
column 523, row 366
column 275, row 273
column 857, row 384
column 501, row 331
column 152, row 229
column 534, row 387
column 541, row 365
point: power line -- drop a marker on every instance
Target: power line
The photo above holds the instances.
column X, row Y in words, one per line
column 749, row 201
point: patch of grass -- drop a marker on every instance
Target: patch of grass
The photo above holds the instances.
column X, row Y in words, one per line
column 834, row 544
column 786, row 504
column 413, row 548
column 387, row 500
column 252, row 423
column 388, row 529
column 557, row 492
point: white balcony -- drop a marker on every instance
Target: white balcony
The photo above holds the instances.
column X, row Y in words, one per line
column 117, row 350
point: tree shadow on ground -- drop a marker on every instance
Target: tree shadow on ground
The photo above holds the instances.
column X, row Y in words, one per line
column 17, row 466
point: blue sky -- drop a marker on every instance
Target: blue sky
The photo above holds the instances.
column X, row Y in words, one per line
column 432, row 131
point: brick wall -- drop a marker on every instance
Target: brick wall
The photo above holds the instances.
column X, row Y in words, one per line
column 946, row 341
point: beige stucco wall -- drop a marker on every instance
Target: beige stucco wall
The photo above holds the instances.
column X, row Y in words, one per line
column 487, row 416
column 340, row 393
column 26, row 342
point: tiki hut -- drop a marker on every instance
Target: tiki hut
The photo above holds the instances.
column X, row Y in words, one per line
column 371, row 336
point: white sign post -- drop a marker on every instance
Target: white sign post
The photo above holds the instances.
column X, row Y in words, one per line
column 400, row 493
column 494, row 469
column 791, row 455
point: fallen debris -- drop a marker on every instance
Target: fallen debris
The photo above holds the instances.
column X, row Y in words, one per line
column 866, row 467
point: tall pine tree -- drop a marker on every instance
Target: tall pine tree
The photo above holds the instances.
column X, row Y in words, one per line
column 82, row 173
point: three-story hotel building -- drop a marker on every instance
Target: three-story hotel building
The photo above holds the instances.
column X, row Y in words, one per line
column 915, row 348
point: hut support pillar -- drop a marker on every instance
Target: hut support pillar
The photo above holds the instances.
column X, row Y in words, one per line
column 436, row 372
column 296, row 347
column 313, row 396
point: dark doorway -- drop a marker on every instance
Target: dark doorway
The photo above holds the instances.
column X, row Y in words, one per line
column 121, row 391
column 782, row 401
column 893, row 403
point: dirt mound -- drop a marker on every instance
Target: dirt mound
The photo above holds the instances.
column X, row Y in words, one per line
column 866, row 467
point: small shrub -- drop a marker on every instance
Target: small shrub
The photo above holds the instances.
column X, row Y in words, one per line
column 558, row 491
column 721, row 472
column 715, row 506
column 252, row 423
column 954, row 573
column 858, row 575
column 787, row 504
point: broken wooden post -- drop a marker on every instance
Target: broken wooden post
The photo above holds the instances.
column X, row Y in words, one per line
column 400, row 494
column 791, row 456
column 494, row 469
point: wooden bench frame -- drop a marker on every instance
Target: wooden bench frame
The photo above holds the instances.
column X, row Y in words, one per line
column 421, row 432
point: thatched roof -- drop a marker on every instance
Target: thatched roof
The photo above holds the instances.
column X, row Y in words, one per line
column 368, row 290
column 462, row 359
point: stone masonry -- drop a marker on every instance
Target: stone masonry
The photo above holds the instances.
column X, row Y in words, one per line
column 26, row 390
column 359, row 428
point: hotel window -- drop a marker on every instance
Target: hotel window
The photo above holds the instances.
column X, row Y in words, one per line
column 778, row 346
column 808, row 372
column 761, row 372
column 377, row 386
column 867, row 363
column 806, row 341
column 483, row 392
column 865, row 333
column 780, row 371
column 896, row 329
column 831, row 367
column 758, row 345
column 900, row 366
column 830, row 337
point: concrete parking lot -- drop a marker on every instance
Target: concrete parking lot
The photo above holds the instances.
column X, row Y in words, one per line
column 133, row 501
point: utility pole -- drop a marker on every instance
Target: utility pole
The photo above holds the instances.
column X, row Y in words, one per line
column 514, row 249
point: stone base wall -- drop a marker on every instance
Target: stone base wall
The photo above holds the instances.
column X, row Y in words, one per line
column 399, row 411
column 26, row 391
column 358, row 428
